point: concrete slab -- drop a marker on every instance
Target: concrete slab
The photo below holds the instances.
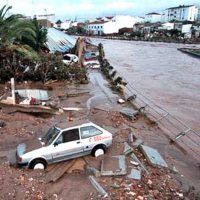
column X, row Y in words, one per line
column 127, row 149
column 120, row 169
column 103, row 107
column 98, row 187
column 129, row 113
column 135, row 174
column 153, row 157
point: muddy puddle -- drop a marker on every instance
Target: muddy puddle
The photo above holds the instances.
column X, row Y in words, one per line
column 167, row 76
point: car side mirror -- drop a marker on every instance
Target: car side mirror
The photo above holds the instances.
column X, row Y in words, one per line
column 56, row 144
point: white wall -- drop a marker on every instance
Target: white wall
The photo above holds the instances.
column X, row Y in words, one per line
column 186, row 28
column 181, row 14
column 113, row 26
column 167, row 26
column 66, row 25
column 153, row 18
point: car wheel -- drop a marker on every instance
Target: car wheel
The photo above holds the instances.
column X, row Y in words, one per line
column 38, row 164
column 98, row 151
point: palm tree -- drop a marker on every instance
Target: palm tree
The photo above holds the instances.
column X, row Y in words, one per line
column 15, row 27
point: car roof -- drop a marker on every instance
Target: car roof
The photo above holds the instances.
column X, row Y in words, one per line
column 69, row 55
column 66, row 125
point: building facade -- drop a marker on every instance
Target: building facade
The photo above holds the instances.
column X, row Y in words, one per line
column 153, row 17
column 110, row 25
column 181, row 13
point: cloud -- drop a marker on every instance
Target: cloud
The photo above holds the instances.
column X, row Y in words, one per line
column 65, row 9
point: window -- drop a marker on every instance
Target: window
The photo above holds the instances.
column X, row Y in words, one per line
column 89, row 131
column 101, row 26
column 68, row 136
column 98, row 26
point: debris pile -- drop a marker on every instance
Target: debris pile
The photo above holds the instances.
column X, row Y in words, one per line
column 25, row 184
column 117, row 83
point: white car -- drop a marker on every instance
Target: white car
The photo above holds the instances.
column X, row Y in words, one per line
column 67, row 141
column 69, row 58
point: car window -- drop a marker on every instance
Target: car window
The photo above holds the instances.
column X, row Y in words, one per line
column 89, row 131
column 66, row 57
column 50, row 135
column 69, row 136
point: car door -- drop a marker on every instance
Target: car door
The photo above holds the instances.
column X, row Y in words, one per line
column 68, row 145
column 90, row 136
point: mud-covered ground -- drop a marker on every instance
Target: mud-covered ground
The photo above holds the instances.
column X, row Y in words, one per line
column 16, row 183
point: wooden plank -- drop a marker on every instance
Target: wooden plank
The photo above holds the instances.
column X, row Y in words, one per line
column 60, row 170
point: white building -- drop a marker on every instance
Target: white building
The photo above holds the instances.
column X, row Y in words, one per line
column 64, row 25
column 110, row 25
column 166, row 26
column 198, row 16
column 181, row 13
column 153, row 17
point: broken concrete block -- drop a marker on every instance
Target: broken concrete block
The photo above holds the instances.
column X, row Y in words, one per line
column 131, row 137
column 114, row 166
column 129, row 113
column 153, row 157
column 137, row 160
column 98, row 187
column 137, row 143
column 127, row 149
column 93, row 171
column 135, row 174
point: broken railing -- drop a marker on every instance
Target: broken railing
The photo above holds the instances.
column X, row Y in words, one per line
column 177, row 130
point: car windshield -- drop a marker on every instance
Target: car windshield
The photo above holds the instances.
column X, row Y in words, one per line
column 50, row 135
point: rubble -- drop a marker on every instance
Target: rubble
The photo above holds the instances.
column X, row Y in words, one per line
column 129, row 113
column 137, row 160
column 41, row 95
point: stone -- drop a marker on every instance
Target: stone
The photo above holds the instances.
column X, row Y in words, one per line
column 153, row 157
column 129, row 113
column 134, row 163
column 127, row 149
column 135, row 174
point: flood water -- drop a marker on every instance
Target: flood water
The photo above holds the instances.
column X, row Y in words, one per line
column 159, row 71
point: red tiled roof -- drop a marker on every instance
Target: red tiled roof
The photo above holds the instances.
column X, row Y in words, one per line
column 99, row 18
column 109, row 18
column 153, row 13
column 98, row 22
column 81, row 23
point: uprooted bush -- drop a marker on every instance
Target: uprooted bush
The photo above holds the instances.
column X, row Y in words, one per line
column 23, row 63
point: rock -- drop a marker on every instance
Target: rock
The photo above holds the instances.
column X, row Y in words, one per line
column 134, row 163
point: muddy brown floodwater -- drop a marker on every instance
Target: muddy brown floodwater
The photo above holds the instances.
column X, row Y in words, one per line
column 159, row 71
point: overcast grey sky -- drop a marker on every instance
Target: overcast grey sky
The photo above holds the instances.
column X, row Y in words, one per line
column 65, row 9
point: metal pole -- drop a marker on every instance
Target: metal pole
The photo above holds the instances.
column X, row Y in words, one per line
column 13, row 90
